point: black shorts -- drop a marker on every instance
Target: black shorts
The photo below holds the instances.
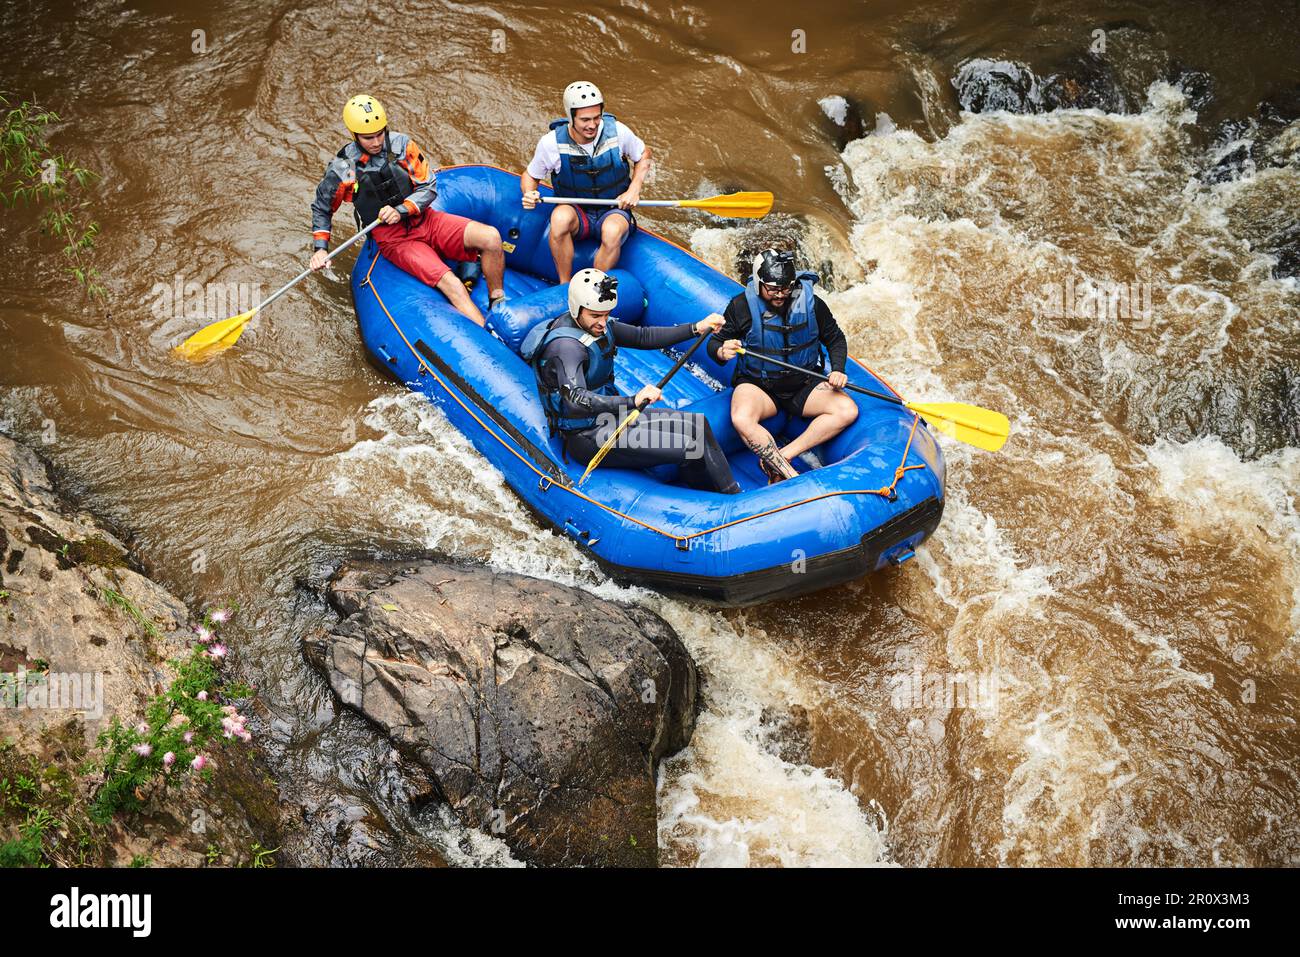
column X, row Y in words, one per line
column 790, row 393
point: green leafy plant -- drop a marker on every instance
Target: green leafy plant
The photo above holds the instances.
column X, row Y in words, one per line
column 24, row 852
column 262, row 857
column 181, row 725
column 51, row 816
column 43, row 804
column 24, row 795
column 34, row 173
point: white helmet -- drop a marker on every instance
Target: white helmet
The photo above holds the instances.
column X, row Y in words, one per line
column 592, row 289
column 580, row 94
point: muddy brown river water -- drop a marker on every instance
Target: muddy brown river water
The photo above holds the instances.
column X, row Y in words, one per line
column 1116, row 594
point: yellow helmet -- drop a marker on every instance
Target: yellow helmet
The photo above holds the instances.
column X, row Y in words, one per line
column 363, row 114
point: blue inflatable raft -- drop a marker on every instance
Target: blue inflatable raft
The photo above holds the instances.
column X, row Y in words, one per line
column 877, row 496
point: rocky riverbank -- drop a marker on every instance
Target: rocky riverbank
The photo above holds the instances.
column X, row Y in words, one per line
column 87, row 638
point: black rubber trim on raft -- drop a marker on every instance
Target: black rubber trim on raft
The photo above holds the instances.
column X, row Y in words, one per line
column 782, row 581
column 540, row 458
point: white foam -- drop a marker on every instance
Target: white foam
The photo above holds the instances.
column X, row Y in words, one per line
column 836, row 109
column 1217, row 493
column 728, row 800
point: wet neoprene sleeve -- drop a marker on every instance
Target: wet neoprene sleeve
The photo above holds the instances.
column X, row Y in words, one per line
column 651, row 337
column 566, row 360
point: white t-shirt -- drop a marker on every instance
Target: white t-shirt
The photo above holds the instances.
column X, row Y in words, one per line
column 546, row 158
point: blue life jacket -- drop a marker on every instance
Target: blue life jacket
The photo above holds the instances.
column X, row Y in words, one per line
column 793, row 339
column 605, row 174
column 599, row 371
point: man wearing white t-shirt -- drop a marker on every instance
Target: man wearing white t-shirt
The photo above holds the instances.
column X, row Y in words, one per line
column 590, row 155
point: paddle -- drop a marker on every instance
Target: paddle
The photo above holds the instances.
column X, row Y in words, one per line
column 225, row 332
column 982, row 428
column 731, row 205
column 632, row 416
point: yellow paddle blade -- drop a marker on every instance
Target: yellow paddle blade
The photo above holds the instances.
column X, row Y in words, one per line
column 219, row 335
column 982, row 428
column 604, row 449
column 734, row 205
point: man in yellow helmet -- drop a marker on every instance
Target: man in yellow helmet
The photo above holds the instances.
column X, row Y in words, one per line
column 387, row 177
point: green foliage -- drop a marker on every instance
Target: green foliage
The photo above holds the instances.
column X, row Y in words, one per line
column 262, row 858
column 59, row 821
column 24, row 852
column 115, row 599
column 141, row 860
column 186, row 721
column 42, row 802
column 32, row 173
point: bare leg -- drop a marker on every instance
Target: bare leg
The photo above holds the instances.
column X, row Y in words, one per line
column 486, row 241
column 613, row 233
column 564, row 226
column 750, row 405
column 451, row 287
column 834, row 413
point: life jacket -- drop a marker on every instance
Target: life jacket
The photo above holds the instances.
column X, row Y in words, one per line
column 605, row 174
column 599, row 371
column 792, row 338
column 387, row 184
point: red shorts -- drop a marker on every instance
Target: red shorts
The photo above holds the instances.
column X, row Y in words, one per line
column 421, row 249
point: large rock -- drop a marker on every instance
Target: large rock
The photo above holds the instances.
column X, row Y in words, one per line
column 1084, row 81
column 82, row 660
column 988, row 86
column 539, row 712
column 1079, row 82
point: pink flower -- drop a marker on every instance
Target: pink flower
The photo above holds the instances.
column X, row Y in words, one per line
column 142, row 728
column 188, row 736
column 229, row 709
column 169, row 759
column 202, row 696
column 199, row 763
column 144, row 750
column 221, row 615
column 218, row 650
column 204, row 635
column 244, row 735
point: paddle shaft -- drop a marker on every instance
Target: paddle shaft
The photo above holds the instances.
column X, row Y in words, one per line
column 583, row 201
column 631, row 416
column 308, row 271
column 681, row 361
column 817, row 375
